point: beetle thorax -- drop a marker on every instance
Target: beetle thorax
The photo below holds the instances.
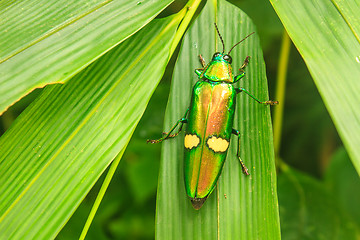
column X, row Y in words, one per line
column 219, row 69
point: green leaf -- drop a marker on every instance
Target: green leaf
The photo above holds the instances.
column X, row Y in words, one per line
column 308, row 210
column 43, row 42
column 61, row 144
column 240, row 207
column 326, row 33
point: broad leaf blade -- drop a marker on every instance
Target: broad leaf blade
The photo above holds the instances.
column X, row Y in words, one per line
column 58, row 148
column 326, row 33
column 241, row 207
column 42, row 43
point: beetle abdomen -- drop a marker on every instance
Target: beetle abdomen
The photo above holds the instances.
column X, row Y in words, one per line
column 207, row 137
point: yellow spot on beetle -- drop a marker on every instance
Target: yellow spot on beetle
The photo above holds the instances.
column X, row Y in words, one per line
column 191, row 141
column 217, row 144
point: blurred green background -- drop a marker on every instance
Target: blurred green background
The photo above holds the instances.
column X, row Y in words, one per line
column 316, row 174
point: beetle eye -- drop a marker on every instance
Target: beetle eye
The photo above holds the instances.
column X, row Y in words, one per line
column 216, row 54
column 227, row 58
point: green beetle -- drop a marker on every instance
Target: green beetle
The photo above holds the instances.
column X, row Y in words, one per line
column 209, row 124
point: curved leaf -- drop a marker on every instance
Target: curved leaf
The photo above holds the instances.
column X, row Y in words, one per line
column 60, row 145
column 326, row 33
column 241, row 207
column 43, row 42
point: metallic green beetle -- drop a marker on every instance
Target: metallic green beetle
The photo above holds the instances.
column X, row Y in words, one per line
column 209, row 125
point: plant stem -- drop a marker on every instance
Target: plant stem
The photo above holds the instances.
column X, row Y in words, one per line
column 101, row 194
column 280, row 91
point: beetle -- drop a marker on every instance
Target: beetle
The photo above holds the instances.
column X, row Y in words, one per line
column 209, row 122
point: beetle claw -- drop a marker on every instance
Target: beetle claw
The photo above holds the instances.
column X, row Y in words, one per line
column 245, row 171
column 270, row 102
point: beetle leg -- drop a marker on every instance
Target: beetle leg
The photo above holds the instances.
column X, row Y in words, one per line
column 169, row 135
column 244, row 168
column 246, row 62
column 242, row 69
column 202, row 61
column 269, row 102
column 199, row 71
column 238, row 77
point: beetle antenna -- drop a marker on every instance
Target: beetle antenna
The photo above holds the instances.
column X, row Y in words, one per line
column 241, row 41
column 222, row 41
